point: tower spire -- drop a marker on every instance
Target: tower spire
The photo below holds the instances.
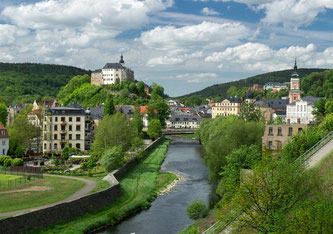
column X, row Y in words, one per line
column 295, row 66
column 121, row 59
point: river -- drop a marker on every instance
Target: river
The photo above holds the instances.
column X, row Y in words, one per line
column 168, row 212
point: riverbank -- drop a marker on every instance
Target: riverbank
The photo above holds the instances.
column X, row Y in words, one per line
column 140, row 187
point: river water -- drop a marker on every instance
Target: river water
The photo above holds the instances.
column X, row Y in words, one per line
column 168, row 212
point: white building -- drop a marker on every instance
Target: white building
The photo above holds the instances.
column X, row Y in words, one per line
column 4, row 140
column 300, row 111
column 184, row 121
column 111, row 72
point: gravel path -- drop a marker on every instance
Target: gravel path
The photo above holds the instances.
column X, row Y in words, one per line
column 320, row 154
column 90, row 185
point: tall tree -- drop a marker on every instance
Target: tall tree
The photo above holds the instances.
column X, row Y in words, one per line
column 158, row 109
column 154, row 129
column 112, row 158
column 248, row 112
column 3, row 114
column 319, row 109
column 109, row 106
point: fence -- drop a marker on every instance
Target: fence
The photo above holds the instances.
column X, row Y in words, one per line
column 25, row 174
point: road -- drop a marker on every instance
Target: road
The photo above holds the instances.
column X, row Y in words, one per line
column 90, row 185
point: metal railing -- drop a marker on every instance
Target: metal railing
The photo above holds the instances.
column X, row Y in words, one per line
column 304, row 157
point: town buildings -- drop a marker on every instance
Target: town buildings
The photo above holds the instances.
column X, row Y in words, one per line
column 227, row 107
column 112, row 72
column 276, row 136
column 4, row 140
column 183, row 121
column 276, row 86
column 64, row 125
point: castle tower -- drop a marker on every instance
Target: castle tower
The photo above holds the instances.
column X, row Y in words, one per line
column 121, row 61
column 294, row 92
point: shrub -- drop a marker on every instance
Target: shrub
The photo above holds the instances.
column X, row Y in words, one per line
column 197, row 210
column 7, row 162
column 17, row 162
column 112, row 158
column 3, row 158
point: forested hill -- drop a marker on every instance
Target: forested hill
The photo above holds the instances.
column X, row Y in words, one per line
column 278, row 76
column 25, row 82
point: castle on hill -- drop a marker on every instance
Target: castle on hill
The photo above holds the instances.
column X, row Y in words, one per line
column 112, row 72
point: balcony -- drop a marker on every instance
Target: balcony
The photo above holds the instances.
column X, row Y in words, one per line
column 63, row 123
column 63, row 131
column 63, row 141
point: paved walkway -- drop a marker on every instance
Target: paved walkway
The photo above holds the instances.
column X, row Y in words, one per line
column 90, row 185
column 320, row 154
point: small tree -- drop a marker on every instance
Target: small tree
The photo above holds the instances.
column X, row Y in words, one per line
column 109, row 106
column 17, row 162
column 3, row 114
column 154, row 129
column 112, row 158
column 197, row 210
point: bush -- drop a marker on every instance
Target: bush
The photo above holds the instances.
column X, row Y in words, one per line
column 7, row 162
column 112, row 158
column 17, row 162
column 197, row 210
column 3, row 158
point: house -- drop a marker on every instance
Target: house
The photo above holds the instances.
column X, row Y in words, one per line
column 276, row 86
column 184, row 121
column 128, row 110
column 4, row 140
column 43, row 104
column 227, row 107
column 300, row 111
column 270, row 106
column 174, row 103
column 63, row 125
column 112, row 72
column 256, row 87
column 35, row 117
column 144, row 112
column 276, row 136
column 13, row 111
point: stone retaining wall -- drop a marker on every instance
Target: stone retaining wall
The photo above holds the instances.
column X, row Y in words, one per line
column 69, row 210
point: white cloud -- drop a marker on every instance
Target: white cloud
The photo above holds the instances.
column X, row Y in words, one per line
column 165, row 60
column 197, row 77
column 204, row 35
column 261, row 58
column 10, row 33
column 111, row 15
column 209, row 11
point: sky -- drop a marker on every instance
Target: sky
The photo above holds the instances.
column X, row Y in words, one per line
column 184, row 46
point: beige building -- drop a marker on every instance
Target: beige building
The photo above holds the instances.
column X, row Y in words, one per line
column 66, row 125
column 112, row 72
column 227, row 107
column 276, row 136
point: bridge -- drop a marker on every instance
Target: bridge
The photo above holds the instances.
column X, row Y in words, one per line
column 179, row 131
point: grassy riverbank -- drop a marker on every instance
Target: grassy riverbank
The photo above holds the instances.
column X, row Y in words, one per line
column 140, row 187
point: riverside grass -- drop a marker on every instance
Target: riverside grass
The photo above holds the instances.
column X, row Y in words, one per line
column 140, row 187
column 37, row 193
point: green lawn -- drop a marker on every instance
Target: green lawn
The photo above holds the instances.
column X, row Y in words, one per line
column 38, row 193
column 140, row 187
column 10, row 181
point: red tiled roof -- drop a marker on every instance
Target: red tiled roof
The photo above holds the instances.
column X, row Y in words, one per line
column 3, row 132
column 144, row 110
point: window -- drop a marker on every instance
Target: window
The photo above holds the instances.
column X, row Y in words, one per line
column 63, row 119
column 70, row 136
column 78, row 136
column 270, row 145
column 290, row 131
column 78, row 127
column 55, row 136
column 55, row 146
column 63, row 128
column 3, row 142
column 56, row 119
column 279, row 131
column 62, row 137
column 55, row 128
column 70, row 127
column 3, row 151
column 70, row 119
column 299, row 130
column 78, row 119
column 270, row 131
column 45, row 146
column 78, row 146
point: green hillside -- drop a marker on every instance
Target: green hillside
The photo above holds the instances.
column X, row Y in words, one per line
column 278, row 76
column 24, row 82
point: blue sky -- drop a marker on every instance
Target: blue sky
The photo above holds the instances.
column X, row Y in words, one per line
column 183, row 45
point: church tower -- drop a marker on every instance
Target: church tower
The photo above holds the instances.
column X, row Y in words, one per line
column 294, row 92
column 121, row 61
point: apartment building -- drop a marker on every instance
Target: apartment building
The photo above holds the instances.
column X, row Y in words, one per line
column 227, row 107
column 64, row 125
